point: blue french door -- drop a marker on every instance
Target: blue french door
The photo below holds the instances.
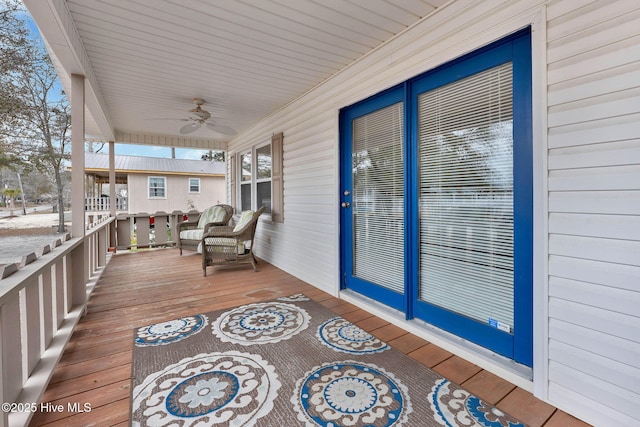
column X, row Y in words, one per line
column 436, row 183
column 372, row 200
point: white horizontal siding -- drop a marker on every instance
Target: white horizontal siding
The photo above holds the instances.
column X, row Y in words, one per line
column 618, row 300
column 592, row 181
column 595, row 202
column 589, row 179
column 608, row 250
column 611, row 406
column 624, row 379
column 594, row 209
column 311, row 135
column 596, row 155
column 605, row 130
column 613, row 275
column 596, row 318
column 608, row 80
column 596, row 108
column 606, row 226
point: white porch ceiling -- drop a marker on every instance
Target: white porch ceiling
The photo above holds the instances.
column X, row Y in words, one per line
column 145, row 60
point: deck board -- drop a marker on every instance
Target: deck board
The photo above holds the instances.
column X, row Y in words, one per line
column 138, row 289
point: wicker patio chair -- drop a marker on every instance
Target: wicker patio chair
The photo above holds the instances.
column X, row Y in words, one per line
column 190, row 232
column 231, row 245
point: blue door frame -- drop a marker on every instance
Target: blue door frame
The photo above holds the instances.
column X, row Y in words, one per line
column 519, row 344
column 370, row 289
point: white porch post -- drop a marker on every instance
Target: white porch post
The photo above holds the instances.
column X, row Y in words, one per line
column 80, row 268
column 112, row 178
column 112, row 193
column 77, row 156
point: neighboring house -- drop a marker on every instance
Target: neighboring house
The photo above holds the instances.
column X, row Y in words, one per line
column 158, row 184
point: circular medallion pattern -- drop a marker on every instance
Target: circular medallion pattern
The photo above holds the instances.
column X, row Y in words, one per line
column 261, row 323
column 230, row 388
column 294, row 298
column 171, row 331
column 342, row 335
column 351, row 393
column 202, row 394
column 453, row 406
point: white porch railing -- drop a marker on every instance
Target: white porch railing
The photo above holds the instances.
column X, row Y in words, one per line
column 143, row 230
column 41, row 301
column 98, row 204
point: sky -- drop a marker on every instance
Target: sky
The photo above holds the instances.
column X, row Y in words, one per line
column 131, row 149
column 154, row 151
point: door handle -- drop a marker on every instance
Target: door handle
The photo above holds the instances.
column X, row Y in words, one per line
column 346, row 205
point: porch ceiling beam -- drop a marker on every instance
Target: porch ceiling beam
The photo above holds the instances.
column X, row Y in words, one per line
column 170, row 141
column 69, row 56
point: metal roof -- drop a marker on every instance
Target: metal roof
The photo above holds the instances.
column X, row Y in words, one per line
column 137, row 164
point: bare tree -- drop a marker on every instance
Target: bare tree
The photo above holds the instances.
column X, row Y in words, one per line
column 14, row 53
column 213, row 156
column 49, row 125
column 40, row 119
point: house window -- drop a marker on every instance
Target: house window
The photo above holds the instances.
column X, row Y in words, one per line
column 245, row 181
column 255, row 176
column 157, row 187
column 263, row 177
column 194, row 185
column 259, row 174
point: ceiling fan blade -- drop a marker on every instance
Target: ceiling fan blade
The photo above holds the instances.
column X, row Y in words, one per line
column 191, row 127
column 225, row 130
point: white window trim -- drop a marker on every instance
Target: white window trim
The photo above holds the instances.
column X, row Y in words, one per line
column 189, row 185
column 254, row 180
column 164, row 180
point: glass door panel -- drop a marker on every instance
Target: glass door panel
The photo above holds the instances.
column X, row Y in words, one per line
column 373, row 204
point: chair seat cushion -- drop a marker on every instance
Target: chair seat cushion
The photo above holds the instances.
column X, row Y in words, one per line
column 195, row 234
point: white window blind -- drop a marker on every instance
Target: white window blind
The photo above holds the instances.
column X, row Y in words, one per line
column 263, row 177
column 466, row 196
column 378, row 194
column 245, row 181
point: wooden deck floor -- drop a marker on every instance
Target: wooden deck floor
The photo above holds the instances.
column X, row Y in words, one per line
column 141, row 288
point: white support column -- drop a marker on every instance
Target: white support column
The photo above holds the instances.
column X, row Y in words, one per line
column 112, row 193
column 79, row 257
column 112, row 178
column 77, row 156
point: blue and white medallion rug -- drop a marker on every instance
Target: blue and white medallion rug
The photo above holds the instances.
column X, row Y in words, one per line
column 230, row 388
column 343, row 336
column 288, row 362
column 171, row 331
column 350, row 393
column 262, row 323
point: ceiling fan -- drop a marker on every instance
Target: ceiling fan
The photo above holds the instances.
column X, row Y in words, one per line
column 198, row 117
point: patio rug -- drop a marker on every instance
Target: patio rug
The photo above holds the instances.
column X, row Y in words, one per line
column 288, row 362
